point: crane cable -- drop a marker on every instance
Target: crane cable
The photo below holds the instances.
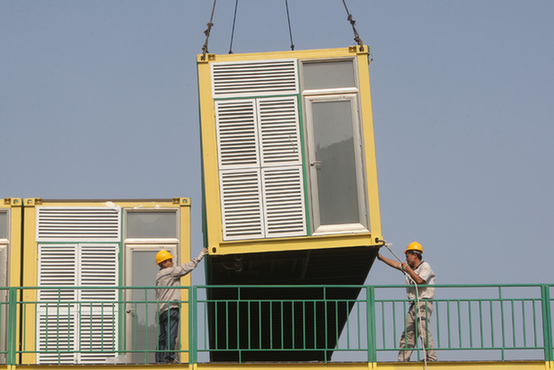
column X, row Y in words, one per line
column 210, row 25
column 290, row 29
column 235, row 20
column 416, row 309
column 353, row 23
column 207, row 33
column 233, row 28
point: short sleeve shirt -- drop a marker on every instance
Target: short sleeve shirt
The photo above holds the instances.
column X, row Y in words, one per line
column 424, row 291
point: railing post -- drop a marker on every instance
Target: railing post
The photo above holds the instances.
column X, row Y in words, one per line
column 371, row 332
column 12, row 326
column 546, row 322
column 193, row 326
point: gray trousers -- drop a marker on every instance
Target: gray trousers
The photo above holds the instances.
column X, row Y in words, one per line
column 408, row 339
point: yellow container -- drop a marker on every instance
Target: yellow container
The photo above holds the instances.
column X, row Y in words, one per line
column 10, row 241
column 10, row 261
column 288, row 151
column 107, row 249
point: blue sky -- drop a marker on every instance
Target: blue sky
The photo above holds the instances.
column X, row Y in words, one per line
column 98, row 99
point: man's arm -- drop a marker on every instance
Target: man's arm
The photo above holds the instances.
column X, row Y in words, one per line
column 415, row 277
column 402, row 267
column 391, row 263
column 187, row 267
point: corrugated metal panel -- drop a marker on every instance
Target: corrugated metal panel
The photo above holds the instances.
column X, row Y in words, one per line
column 241, row 201
column 237, row 134
column 279, row 131
column 78, row 224
column 254, row 78
column 284, row 202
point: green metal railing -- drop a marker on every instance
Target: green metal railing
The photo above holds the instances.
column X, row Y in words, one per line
column 275, row 323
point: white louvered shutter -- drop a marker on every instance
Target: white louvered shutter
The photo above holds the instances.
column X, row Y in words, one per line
column 254, row 78
column 57, row 266
column 279, row 131
column 241, row 200
column 98, row 317
column 282, row 180
column 239, row 174
column 78, row 224
column 284, row 202
column 56, row 329
column 259, row 149
column 88, row 321
column 98, row 264
column 56, row 335
column 255, row 205
column 237, row 134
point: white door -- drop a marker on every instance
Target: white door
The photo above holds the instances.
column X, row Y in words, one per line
column 141, row 327
column 337, row 179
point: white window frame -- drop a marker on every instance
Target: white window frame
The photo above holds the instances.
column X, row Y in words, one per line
column 311, row 165
column 152, row 240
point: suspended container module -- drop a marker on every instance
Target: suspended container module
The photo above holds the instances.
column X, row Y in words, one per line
column 288, row 151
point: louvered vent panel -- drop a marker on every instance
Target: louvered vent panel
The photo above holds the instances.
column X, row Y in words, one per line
column 98, row 267
column 77, row 224
column 284, row 202
column 266, row 77
column 56, row 335
column 241, row 204
column 237, row 134
column 57, row 267
column 279, row 131
column 98, row 330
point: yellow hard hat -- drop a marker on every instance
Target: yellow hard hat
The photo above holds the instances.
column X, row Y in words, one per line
column 414, row 246
column 162, row 255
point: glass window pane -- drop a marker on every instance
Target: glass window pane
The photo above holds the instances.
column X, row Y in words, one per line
column 4, row 225
column 160, row 224
column 328, row 75
column 336, row 163
column 144, row 321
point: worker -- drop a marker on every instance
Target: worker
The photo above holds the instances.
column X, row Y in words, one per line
column 168, row 301
column 420, row 272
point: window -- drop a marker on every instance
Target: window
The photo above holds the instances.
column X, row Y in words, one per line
column 334, row 155
column 150, row 224
column 4, row 225
column 328, row 75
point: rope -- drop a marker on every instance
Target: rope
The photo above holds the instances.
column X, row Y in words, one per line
column 233, row 29
column 207, row 33
column 353, row 22
column 417, row 300
column 290, row 29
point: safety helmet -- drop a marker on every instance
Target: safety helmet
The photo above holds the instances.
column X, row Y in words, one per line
column 415, row 247
column 162, row 255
